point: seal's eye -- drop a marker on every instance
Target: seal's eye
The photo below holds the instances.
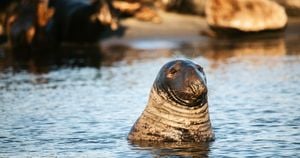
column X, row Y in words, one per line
column 173, row 71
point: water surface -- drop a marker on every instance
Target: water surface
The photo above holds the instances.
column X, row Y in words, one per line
column 84, row 104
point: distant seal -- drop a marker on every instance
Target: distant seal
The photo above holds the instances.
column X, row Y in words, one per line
column 177, row 108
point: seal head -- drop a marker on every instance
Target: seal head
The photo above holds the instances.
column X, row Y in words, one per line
column 182, row 82
column 177, row 109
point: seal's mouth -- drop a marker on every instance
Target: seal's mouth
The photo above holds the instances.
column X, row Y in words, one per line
column 187, row 99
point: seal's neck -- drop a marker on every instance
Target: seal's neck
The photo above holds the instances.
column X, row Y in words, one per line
column 167, row 121
column 175, row 114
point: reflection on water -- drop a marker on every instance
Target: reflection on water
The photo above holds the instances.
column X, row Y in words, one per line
column 184, row 149
column 219, row 49
column 37, row 62
column 83, row 100
column 96, row 55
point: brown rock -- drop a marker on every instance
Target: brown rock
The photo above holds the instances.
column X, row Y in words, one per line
column 147, row 14
column 245, row 15
column 184, row 6
column 140, row 9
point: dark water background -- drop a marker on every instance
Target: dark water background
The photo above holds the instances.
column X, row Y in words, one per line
column 80, row 103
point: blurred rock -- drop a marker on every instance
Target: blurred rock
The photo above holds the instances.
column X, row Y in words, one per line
column 27, row 27
column 245, row 15
column 292, row 7
column 147, row 14
column 140, row 9
column 7, row 8
column 82, row 21
column 184, row 6
column 127, row 7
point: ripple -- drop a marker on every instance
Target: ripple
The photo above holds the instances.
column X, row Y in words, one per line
column 253, row 107
column 154, row 44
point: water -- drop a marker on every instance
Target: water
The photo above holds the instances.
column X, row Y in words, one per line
column 86, row 105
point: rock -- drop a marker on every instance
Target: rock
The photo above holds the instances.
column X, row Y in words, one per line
column 140, row 9
column 292, row 7
column 184, row 6
column 245, row 15
column 81, row 21
column 7, row 9
column 126, row 7
column 27, row 27
column 147, row 14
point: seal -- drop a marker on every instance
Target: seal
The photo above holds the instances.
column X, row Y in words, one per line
column 177, row 109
